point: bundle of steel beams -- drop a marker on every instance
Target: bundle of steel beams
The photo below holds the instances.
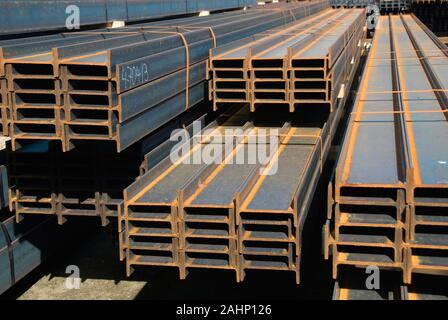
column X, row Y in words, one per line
column 433, row 13
column 119, row 84
column 88, row 181
column 352, row 3
column 389, row 198
column 227, row 214
column 354, row 284
column 394, row 6
column 39, row 16
column 304, row 63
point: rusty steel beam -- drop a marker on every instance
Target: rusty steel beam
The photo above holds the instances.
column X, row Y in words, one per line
column 353, row 284
column 93, row 85
column 301, row 64
column 390, row 192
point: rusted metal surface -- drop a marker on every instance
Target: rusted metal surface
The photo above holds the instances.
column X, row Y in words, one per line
column 24, row 246
column 394, row 6
column 119, row 84
column 390, row 188
column 305, row 63
column 217, row 215
column 88, row 181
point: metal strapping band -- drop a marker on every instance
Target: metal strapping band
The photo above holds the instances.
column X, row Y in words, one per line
column 187, row 59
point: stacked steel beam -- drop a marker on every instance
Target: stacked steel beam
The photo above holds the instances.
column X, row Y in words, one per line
column 351, row 285
column 389, row 197
column 4, row 189
column 94, row 85
column 88, row 181
column 426, row 287
column 433, row 14
column 38, row 16
column 394, row 6
column 295, row 66
column 24, row 246
column 199, row 215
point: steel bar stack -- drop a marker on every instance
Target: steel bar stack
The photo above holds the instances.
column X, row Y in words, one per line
column 38, row 16
column 351, row 285
column 88, row 181
column 394, row 6
column 426, row 287
column 152, row 230
column 94, row 85
column 295, row 66
column 227, row 214
column 389, row 198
